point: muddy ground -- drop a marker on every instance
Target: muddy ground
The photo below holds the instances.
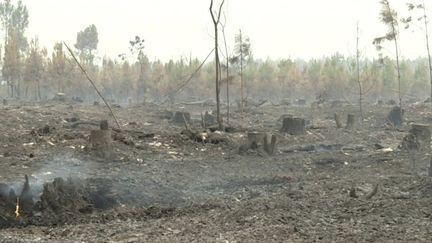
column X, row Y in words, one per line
column 169, row 188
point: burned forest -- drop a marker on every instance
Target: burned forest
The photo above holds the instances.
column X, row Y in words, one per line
column 215, row 121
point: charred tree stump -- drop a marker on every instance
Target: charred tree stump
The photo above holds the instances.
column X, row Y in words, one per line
column 422, row 133
column 270, row 148
column 104, row 125
column 337, row 120
column 350, row 121
column 180, row 117
column 419, row 137
column 395, row 117
column 293, row 126
column 101, row 142
column 26, row 197
column 255, row 139
column 210, row 119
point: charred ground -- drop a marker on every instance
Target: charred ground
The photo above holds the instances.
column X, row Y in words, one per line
column 161, row 185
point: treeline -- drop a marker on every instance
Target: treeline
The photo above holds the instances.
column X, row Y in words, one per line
column 34, row 73
column 39, row 76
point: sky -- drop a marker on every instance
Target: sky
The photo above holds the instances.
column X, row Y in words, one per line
column 179, row 28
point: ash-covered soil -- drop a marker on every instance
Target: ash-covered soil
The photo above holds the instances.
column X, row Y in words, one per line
column 331, row 185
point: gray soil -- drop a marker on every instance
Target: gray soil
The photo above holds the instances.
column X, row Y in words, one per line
column 169, row 188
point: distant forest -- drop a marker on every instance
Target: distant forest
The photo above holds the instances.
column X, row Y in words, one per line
column 31, row 72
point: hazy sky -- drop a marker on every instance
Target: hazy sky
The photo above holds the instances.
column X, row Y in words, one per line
column 175, row 28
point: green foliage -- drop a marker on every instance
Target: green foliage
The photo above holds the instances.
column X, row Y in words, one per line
column 242, row 50
column 87, row 41
column 388, row 16
column 58, row 67
column 34, row 68
column 420, row 10
column 15, row 17
column 11, row 70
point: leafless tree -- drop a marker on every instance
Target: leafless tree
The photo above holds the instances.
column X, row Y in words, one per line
column 358, row 74
column 216, row 20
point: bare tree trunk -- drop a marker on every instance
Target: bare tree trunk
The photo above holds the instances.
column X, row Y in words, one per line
column 227, row 94
column 398, row 72
column 241, row 73
column 358, row 75
column 218, row 72
column 427, row 45
column 397, row 57
column 217, row 81
column 227, row 73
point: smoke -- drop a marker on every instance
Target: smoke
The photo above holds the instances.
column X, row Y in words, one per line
column 64, row 166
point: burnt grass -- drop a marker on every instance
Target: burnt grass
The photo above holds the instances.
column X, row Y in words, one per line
column 162, row 186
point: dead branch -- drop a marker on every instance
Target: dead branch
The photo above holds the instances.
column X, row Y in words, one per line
column 91, row 81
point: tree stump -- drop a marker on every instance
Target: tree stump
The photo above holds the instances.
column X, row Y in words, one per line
column 422, row 133
column 26, row 197
column 395, row 117
column 350, row 121
column 104, row 125
column 419, row 137
column 210, row 119
column 337, row 120
column 270, row 148
column 180, row 117
column 293, row 126
column 5, row 102
column 101, row 142
column 255, row 139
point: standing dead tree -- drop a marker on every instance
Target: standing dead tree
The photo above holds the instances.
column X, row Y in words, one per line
column 358, row 74
column 242, row 54
column 424, row 18
column 389, row 17
column 216, row 20
column 226, row 68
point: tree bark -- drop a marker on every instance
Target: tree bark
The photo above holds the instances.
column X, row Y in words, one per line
column 216, row 21
column 337, row 120
column 358, row 75
column 294, row 126
column 350, row 121
column 427, row 46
